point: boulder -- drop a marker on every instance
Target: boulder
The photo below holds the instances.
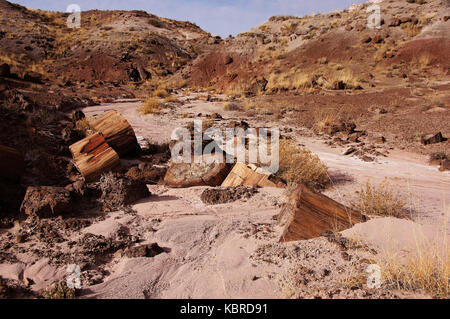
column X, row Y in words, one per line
column 182, row 175
column 118, row 191
column 46, row 201
column 308, row 215
column 433, row 139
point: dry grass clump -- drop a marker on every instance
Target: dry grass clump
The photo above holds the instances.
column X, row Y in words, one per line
column 381, row 200
column 423, row 61
column 171, row 99
column 162, row 93
column 291, row 81
column 232, row 106
column 59, row 291
column 298, row 165
column 151, row 105
column 325, row 120
column 343, row 79
column 427, row 268
column 412, row 29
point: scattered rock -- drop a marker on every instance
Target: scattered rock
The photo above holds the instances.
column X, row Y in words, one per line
column 151, row 250
column 349, row 151
column 366, row 39
column 228, row 60
column 119, row 191
column 395, row 22
column 216, row 116
column 378, row 39
column 225, row 195
column 46, row 201
column 433, row 139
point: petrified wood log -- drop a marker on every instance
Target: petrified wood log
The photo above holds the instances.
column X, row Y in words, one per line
column 93, row 157
column 308, row 215
column 117, row 132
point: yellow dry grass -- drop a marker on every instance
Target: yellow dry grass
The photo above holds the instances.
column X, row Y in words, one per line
column 151, row 105
column 298, row 165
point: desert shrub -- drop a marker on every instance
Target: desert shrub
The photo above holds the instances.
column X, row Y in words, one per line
column 343, row 79
column 171, row 99
column 151, row 106
column 322, row 60
column 426, row 268
column 381, row 200
column 298, row 165
column 424, row 61
column 162, row 93
column 412, row 29
column 232, row 106
column 59, row 291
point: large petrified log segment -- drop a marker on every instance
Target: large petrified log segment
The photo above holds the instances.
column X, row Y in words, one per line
column 252, row 176
column 183, row 175
column 308, row 215
column 117, row 131
column 93, row 157
column 11, row 163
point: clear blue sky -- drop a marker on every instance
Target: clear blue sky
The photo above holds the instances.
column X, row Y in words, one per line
column 218, row 17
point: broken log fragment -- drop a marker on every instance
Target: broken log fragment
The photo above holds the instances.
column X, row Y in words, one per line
column 93, row 157
column 12, row 163
column 252, row 176
column 308, row 215
column 117, row 132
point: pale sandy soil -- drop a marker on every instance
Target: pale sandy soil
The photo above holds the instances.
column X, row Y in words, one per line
column 212, row 248
column 232, row 250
